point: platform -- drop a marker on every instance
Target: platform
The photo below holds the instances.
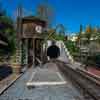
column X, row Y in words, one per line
column 45, row 76
column 51, row 91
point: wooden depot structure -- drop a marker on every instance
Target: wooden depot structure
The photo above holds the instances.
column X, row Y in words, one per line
column 30, row 37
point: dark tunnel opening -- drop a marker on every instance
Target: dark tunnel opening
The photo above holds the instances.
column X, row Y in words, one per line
column 53, row 52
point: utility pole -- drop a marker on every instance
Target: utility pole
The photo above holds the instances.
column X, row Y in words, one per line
column 45, row 12
column 18, row 55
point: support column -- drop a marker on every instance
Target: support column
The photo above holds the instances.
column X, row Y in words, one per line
column 16, row 60
column 26, row 61
column 25, row 53
column 33, row 52
column 42, row 58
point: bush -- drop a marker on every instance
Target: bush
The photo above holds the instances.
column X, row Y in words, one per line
column 97, row 60
column 9, row 33
column 72, row 47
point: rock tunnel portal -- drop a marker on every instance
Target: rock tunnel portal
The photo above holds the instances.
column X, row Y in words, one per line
column 53, row 51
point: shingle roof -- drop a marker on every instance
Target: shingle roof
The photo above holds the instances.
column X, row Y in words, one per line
column 34, row 19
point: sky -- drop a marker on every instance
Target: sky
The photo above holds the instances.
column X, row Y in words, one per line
column 70, row 13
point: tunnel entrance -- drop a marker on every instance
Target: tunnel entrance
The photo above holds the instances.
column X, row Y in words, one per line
column 53, row 52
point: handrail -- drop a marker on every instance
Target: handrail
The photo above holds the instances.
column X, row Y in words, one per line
column 93, row 77
column 84, row 81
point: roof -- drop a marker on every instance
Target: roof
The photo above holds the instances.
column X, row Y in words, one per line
column 35, row 19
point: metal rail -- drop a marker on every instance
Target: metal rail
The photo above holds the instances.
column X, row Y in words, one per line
column 88, row 84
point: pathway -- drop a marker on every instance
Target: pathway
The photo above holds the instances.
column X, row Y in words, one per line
column 49, row 73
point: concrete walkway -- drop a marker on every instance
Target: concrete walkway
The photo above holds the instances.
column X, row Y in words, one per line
column 49, row 73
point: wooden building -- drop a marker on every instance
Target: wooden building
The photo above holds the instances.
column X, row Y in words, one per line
column 30, row 35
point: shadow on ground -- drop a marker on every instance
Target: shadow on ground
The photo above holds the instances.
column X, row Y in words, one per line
column 5, row 71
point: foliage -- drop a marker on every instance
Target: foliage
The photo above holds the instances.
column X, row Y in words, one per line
column 71, row 47
column 97, row 60
column 8, row 31
column 94, row 60
column 52, row 34
column 91, row 40
column 68, row 43
column 58, row 37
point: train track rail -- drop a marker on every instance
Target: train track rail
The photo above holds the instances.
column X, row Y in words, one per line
column 88, row 84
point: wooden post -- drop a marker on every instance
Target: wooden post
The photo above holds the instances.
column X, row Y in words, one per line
column 42, row 58
column 24, row 52
column 16, row 61
column 17, row 64
column 26, row 43
column 33, row 52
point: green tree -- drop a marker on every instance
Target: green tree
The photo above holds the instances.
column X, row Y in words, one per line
column 7, row 29
column 72, row 47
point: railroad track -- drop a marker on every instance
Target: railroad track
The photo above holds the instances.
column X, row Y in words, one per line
column 90, row 86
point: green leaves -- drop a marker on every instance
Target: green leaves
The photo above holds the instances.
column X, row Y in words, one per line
column 8, row 31
column 72, row 46
column 58, row 37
